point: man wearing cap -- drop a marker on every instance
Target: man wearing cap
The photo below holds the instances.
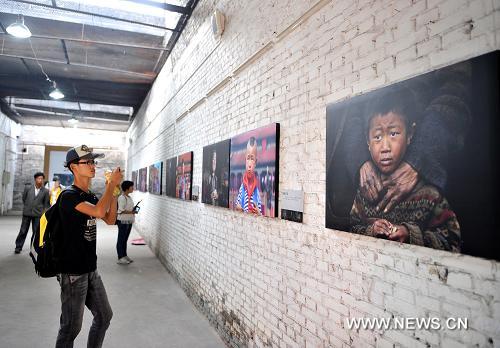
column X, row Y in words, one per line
column 35, row 201
column 81, row 285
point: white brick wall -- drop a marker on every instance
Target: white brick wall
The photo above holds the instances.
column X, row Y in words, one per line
column 271, row 282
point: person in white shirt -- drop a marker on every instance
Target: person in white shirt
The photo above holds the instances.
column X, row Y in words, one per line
column 125, row 219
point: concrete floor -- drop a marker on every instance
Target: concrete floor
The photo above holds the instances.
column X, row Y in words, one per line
column 150, row 309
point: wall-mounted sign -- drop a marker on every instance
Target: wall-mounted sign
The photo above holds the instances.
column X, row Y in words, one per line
column 292, row 205
column 195, row 192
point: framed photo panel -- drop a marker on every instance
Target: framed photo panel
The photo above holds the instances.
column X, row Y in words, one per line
column 215, row 189
column 143, row 179
column 155, row 176
column 134, row 178
column 414, row 162
column 170, row 176
column 253, row 174
column 184, row 176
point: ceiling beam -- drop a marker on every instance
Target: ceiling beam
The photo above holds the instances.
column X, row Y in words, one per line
column 31, row 112
column 65, row 51
column 86, row 41
column 9, row 112
column 58, row 104
column 191, row 5
column 150, row 77
column 93, row 14
column 168, row 7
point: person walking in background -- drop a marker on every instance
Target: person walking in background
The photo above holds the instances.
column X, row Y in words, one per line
column 55, row 191
column 125, row 219
column 35, row 201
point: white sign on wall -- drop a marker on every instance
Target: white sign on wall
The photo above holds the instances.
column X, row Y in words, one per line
column 292, row 205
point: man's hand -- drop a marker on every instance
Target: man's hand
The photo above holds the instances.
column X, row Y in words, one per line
column 370, row 183
column 400, row 234
column 116, row 176
column 399, row 184
column 381, row 228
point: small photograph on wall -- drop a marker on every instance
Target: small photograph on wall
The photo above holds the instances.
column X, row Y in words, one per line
column 184, row 175
column 170, row 176
column 143, row 179
column 253, row 174
column 65, row 179
column 414, row 162
column 134, row 179
column 215, row 190
column 154, row 183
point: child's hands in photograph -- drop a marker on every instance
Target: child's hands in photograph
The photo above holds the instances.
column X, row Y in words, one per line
column 400, row 234
column 381, row 228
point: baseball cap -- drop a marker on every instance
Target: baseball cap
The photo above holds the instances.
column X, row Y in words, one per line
column 81, row 152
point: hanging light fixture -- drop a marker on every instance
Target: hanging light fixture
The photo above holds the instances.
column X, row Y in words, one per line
column 18, row 29
column 56, row 93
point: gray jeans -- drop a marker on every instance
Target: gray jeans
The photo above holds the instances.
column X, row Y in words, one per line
column 78, row 291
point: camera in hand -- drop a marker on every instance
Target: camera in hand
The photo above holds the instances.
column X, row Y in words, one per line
column 136, row 207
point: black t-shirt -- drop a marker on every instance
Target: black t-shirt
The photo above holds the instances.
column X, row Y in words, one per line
column 79, row 233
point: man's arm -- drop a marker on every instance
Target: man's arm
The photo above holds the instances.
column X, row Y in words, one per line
column 101, row 208
column 25, row 193
column 110, row 217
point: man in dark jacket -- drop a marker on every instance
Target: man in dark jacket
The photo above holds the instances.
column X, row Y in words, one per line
column 36, row 201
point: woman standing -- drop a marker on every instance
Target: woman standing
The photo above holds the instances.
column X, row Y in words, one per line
column 55, row 190
column 125, row 219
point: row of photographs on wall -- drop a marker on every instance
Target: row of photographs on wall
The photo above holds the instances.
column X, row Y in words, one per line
column 240, row 173
column 417, row 162
column 177, row 177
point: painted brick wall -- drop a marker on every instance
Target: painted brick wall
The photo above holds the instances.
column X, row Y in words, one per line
column 268, row 282
column 35, row 138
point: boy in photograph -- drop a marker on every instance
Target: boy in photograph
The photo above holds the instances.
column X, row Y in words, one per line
column 248, row 196
column 424, row 217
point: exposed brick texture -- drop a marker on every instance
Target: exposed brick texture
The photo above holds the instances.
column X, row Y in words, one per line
column 268, row 282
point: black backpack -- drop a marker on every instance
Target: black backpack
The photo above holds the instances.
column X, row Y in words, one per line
column 47, row 242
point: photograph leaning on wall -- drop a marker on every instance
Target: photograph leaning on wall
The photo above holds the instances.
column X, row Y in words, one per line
column 253, row 174
column 415, row 162
column 215, row 190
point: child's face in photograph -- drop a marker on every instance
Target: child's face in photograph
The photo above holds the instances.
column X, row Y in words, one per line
column 388, row 139
column 251, row 158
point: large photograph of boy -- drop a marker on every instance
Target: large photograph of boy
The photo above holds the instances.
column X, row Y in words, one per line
column 184, row 175
column 253, row 174
column 215, row 190
column 170, row 176
column 414, row 162
column 143, row 179
column 154, row 183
